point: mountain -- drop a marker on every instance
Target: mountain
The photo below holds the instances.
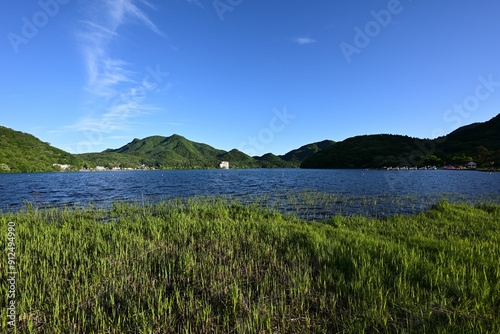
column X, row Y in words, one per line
column 177, row 152
column 24, row 153
column 238, row 159
column 297, row 156
column 467, row 138
column 371, row 151
column 479, row 142
column 270, row 160
column 174, row 152
column 157, row 146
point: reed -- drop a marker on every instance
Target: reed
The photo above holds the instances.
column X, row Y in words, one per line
column 217, row 264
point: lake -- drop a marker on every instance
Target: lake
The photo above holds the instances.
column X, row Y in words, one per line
column 423, row 186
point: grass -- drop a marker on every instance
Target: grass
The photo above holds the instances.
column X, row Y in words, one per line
column 217, row 265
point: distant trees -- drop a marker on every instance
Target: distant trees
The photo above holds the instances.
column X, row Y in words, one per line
column 461, row 159
column 486, row 158
column 432, row 160
column 378, row 151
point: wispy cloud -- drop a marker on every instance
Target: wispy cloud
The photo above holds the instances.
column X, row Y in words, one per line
column 126, row 106
column 304, row 40
column 117, row 90
column 105, row 73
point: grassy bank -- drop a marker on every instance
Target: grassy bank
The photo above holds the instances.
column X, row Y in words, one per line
column 206, row 265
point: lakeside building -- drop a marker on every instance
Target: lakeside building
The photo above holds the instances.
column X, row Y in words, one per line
column 63, row 167
column 224, row 165
column 471, row 164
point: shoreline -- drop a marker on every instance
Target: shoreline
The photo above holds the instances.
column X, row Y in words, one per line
column 274, row 168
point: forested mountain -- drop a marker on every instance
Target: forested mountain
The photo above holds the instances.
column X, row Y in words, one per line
column 22, row 152
column 177, row 152
column 479, row 142
column 174, row 152
column 238, row 159
column 467, row 138
column 371, row 151
column 296, row 157
column 270, row 160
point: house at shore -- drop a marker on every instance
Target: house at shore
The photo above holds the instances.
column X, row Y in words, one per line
column 471, row 165
column 100, row 168
column 224, row 165
column 62, row 166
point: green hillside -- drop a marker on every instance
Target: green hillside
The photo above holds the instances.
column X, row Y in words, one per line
column 177, row 152
column 296, row 157
column 270, row 160
column 371, row 151
column 238, row 159
column 479, row 142
column 23, row 153
column 174, row 152
column 468, row 137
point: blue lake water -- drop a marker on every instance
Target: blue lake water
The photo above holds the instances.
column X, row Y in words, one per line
column 83, row 187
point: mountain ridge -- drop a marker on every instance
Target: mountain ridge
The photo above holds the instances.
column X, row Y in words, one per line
column 479, row 142
column 177, row 152
column 21, row 152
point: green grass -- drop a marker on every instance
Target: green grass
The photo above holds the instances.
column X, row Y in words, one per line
column 216, row 265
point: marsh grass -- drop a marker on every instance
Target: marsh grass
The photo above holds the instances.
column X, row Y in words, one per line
column 213, row 264
column 313, row 205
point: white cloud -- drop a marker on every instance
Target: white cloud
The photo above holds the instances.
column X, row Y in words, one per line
column 118, row 92
column 105, row 73
column 116, row 116
column 304, row 40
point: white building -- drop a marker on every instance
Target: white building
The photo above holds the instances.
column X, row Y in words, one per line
column 471, row 164
column 63, row 167
column 224, row 165
column 100, row 168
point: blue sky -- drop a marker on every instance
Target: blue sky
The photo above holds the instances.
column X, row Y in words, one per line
column 261, row 76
